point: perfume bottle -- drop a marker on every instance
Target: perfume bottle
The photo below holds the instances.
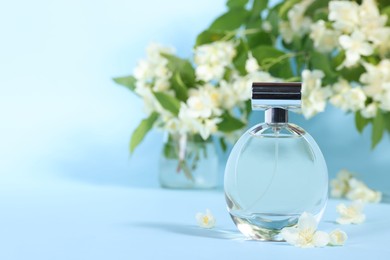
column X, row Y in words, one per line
column 276, row 170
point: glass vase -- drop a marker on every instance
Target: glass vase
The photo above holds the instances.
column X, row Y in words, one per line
column 188, row 162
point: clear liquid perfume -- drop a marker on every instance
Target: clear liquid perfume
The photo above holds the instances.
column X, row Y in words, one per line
column 276, row 170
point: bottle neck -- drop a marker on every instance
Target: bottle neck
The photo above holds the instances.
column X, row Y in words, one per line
column 276, row 115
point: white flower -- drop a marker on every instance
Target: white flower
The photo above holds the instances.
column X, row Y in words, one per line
column 150, row 101
column 372, row 24
column 211, row 60
column 300, row 23
column 154, row 66
column 204, row 102
column 228, row 95
column 251, row 64
column 384, row 101
column 205, row 220
column 315, row 102
column 286, row 32
column 208, row 127
column 370, row 110
column 313, row 95
column 262, row 76
column 350, row 215
column 143, row 70
column 355, row 46
column 234, row 92
column 360, row 192
column 199, row 107
column 266, row 26
column 305, row 234
column 355, row 99
column 213, row 94
column 346, row 97
column 346, row 185
column 345, row 15
column 172, row 124
column 209, row 72
column 152, row 73
column 382, row 41
column 340, row 185
column 325, row 40
column 337, row 237
column 238, row 89
column 339, row 89
column 242, row 89
column 154, row 51
column 376, row 80
column 161, row 84
column 311, row 80
column 200, row 114
column 188, row 123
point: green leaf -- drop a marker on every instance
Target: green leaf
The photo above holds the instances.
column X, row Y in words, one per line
column 260, row 38
column 228, row 73
column 128, row 82
column 350, row 74
column 378, row 128
column 239, row 60
column 322, row 62
column 255, row 18
column 386, row 119
column 170, row 151
column 386, row 11
column 168, row 102
column 315, row 7
column 223, row 144
column 253, row 24
column 230, row 123
column 248, row 108
column 140, row 132
column 360, row 122
column 320, row 15
column 230, row 21
column 232, row 4
column 338, row 59
column 183, row 67
column 209, row 36
column 179, row 87
column 273, row 18
column 286, row 6
column 268, row 55
column 257, row 7
column 383, row 3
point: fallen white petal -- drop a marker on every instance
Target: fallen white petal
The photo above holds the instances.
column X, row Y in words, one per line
column 337, row 237
column 290, row 234
column 205, row 220
column 307, row 221
column 350, row 214
column 320, row 239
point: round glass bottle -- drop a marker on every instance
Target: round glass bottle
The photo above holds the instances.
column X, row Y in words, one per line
column 276, row 170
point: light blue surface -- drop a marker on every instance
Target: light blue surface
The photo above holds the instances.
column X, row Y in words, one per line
column 68, row 189
column 68, row 221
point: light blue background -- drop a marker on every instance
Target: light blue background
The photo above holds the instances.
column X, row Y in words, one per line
column 63, row 119
column 68, row 187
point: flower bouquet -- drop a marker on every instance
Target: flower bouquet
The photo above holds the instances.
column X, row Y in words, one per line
column 339, row 50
